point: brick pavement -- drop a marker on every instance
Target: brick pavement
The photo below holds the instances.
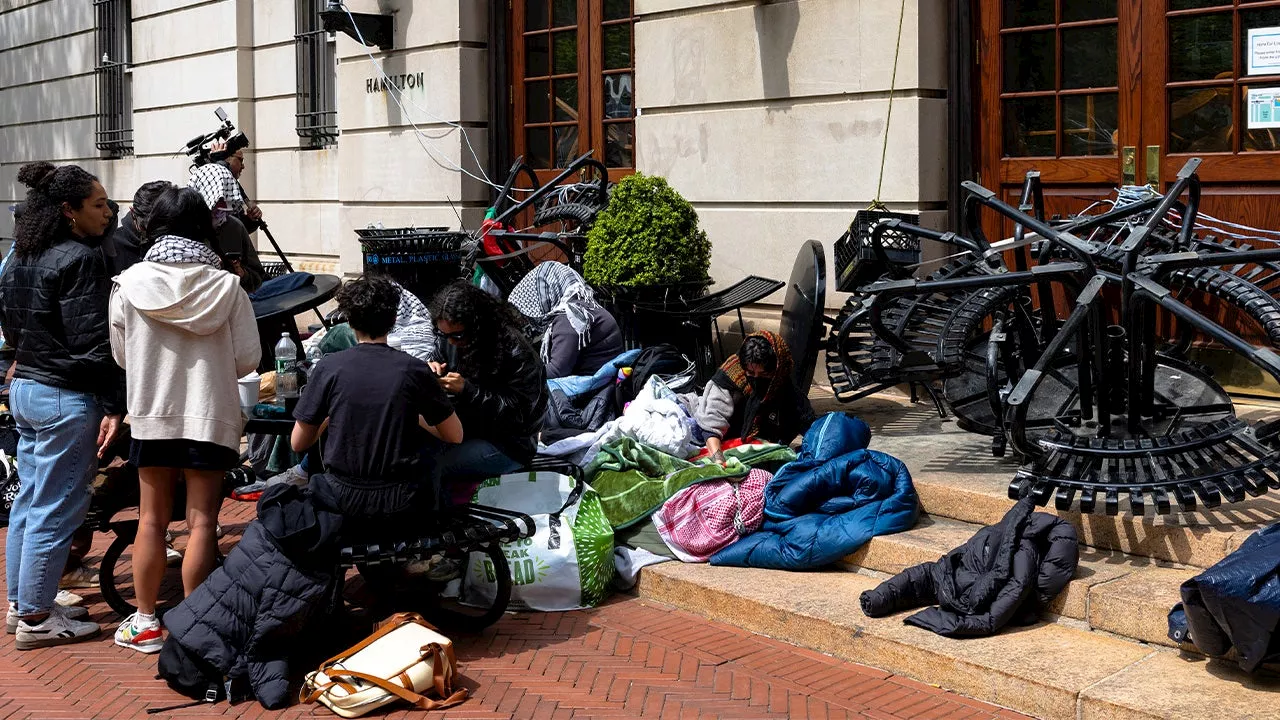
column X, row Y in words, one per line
column 627, row 659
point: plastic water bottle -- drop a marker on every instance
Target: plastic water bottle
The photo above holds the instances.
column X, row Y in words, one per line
column 286, row 370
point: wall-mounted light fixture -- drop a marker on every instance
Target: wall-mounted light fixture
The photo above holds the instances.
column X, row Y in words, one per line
column 368, row 28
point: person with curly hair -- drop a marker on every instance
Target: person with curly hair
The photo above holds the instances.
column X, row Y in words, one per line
column 752, row 397
column 378, row 408
column 184, row 331
column 497, row 384
column 67, row 394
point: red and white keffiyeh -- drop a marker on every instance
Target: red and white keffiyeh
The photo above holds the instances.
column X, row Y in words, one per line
column 706, row 517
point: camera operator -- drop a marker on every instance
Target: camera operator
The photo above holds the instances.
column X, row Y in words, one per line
column 252, row 215
column 221, row 193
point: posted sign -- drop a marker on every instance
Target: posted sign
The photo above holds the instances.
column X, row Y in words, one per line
column 1264, row 51
column 1264, row 108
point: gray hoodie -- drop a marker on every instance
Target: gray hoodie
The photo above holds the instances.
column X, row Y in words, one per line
column 183, row 333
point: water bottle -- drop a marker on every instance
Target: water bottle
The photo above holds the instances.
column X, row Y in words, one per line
column 286, row 370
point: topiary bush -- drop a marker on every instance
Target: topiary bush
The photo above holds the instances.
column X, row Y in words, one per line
column 646, row 236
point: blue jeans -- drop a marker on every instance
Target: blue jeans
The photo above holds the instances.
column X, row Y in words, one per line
column 57, row 458
column 461, row 468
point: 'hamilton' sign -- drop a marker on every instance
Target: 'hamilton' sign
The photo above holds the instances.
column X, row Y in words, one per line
column 403, row 82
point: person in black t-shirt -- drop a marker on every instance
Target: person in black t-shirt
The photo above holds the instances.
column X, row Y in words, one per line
column 377, row 407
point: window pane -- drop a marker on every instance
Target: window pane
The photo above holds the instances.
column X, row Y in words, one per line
column 566, row 144
column 1021, row 13
column 1200, row 47
column 617, row 96
column 1189, row 4
column 1200, row 120
column 1089, row 57
column 1029, row 61
column 564, row 13
column 1073, row 10
column 617, row 9
column 535, row 56
column 1029, row 128
column 1250, row 19
column 535, row 14
column 537, row 100
column 1263, row 139
column 538, row 147
column 617, row 47
column 566, row 100
column 566, row 52
column 1089, row 124
column 619, row 145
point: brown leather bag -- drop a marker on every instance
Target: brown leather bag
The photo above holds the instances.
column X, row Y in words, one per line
column 404, row 658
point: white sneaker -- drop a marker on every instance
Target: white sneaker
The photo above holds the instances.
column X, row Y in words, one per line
column 141, row 635
column 293, row 476
column 81, row 577
column 68, row 599
column 57, row 629
column 172, row 558
column 11, row 619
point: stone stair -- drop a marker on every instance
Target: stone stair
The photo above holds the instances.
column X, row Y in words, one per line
column 1103, row 653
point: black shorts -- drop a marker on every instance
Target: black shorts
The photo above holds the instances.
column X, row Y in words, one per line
column 183, row 454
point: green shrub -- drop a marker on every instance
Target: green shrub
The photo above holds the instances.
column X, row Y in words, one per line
column 647, row 236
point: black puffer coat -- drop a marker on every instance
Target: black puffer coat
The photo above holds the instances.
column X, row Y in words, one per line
column 1006, row 573
column 53, row 308
column 505, row 408
column 244, row 620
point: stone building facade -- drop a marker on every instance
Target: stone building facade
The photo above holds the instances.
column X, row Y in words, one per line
column 769, row 115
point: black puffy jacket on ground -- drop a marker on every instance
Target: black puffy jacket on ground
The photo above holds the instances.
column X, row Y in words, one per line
column 245, row 619
column 1005, row 574
column 53, row 309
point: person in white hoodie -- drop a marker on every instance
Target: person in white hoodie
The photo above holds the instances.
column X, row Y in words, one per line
column 183, row 331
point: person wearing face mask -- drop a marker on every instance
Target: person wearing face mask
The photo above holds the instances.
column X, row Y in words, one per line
column 221, row 194
column 752, row 397
column 251, row 215
column 67, row 394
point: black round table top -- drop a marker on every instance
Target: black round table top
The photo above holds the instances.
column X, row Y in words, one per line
column 295, row 302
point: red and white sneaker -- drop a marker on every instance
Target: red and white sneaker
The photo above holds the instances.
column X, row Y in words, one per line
column 141, row 634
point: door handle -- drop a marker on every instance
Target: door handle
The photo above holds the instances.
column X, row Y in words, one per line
column 1128, row 165
column 1153, row 166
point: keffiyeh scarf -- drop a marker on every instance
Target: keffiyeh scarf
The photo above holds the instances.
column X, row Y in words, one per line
column 732, row 375
column 553, row 288
column 174, row 250
column 215, row 182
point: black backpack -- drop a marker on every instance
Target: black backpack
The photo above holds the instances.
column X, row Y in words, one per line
column 194, row 677
column 662, row 360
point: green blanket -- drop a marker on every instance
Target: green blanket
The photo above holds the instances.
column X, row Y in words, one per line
column 634, row 479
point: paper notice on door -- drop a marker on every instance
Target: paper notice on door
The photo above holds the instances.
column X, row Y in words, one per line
column 1264, row 51
column 1264, row 108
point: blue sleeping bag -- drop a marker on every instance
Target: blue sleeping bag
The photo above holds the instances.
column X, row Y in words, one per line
column 828, row 502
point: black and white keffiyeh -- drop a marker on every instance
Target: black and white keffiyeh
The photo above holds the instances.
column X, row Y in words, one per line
column 174, row 250
column 215, row 182
column 553, row 288
column 416, row 330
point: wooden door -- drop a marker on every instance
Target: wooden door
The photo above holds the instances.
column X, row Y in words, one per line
column 1195, row 89
column 1099, row 93
column 572, row 83
column 1058, row 93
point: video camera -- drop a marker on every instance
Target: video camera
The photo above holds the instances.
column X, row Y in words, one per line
column 198, row 148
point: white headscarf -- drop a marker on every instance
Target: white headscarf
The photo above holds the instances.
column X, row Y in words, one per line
column 553, row 288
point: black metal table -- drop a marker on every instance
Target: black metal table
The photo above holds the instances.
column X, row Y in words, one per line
column 275, row 314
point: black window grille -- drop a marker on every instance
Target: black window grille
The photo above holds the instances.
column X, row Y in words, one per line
column 317, row 68
column 115, row 99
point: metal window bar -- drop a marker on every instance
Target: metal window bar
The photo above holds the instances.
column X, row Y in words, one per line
column 114, row 133
column 317, row 113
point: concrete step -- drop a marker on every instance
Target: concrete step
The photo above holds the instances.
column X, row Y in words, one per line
column 1113, row 592
column 1049, row 670
column 956, row 477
